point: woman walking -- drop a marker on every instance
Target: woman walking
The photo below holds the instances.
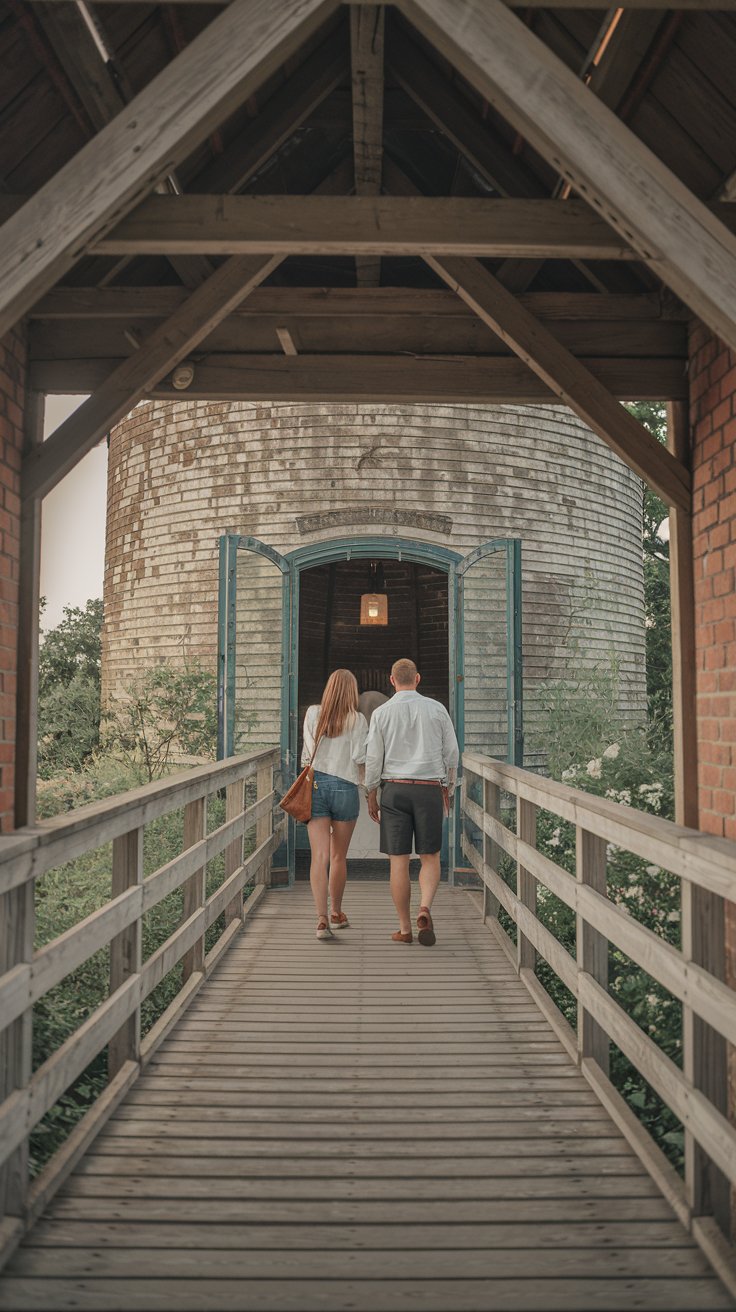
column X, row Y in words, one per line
column 339, row 730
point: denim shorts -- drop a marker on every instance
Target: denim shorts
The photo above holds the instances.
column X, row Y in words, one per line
column 335, row 798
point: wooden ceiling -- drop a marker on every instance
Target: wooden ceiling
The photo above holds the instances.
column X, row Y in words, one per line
column 365, row 107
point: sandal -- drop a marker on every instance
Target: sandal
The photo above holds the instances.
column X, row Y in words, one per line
column 323, row 929
column 398, row 937
column 338, row 920
column 426, row 935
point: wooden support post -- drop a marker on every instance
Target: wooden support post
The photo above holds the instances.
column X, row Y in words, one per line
column 526, row 886
column 264, row 826
column 592, row 947
column 17, row 924
column 195, row 829
column 491, row 850
column 705, row 1053
column 366, row 57
column 26, row 751
column 125, row 949
column 234, row 805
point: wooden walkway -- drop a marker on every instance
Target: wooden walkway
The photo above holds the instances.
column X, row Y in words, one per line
column 364, row 1127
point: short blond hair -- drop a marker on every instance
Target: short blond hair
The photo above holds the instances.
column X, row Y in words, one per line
column 404, row 672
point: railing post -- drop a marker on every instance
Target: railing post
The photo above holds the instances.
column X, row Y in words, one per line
column 704, row 1051
column 592, row 947
column 526, row 884
column 234, row 806
column 194, row 891
column 125, row 948
column 491, row 850
column 264, row 826
column 17, row 923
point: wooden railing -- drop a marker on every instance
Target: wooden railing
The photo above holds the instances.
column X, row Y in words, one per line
column 697, row 1094
column 115, row 1024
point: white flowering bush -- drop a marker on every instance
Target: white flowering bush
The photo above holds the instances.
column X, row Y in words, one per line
column 591, row 750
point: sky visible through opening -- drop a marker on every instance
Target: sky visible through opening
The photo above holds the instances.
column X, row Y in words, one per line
column 73, row 525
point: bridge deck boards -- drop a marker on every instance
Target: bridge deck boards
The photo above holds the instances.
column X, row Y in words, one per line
column 360, row 1125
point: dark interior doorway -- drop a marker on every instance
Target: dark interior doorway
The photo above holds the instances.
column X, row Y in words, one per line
column 332, row 637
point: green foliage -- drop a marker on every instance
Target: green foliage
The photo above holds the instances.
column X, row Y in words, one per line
column 632, row 767
column 73, row 647
column 67, row 895
column 656, row 587
column 168, row 712
column 69, row 690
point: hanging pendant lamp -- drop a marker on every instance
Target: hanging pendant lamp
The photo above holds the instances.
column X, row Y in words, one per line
column 374, row 604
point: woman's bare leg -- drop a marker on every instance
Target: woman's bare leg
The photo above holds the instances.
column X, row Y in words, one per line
column 342, row 832
column 319, row 842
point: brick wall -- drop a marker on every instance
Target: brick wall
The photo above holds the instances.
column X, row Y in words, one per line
column 713, row 419
column 12, row 366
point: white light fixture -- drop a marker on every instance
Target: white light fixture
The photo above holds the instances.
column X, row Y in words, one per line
column 183, row 376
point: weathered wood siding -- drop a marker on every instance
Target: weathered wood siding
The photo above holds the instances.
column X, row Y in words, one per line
column 292, row 474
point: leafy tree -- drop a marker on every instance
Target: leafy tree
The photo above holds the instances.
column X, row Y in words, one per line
column 69, row 690
column 168, row 712
column 73, row 647
column 656, row 587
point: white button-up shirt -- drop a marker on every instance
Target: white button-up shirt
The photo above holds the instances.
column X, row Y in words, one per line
column 337, row 756
column 410, row 737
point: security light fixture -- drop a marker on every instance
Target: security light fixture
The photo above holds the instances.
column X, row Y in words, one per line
column 374, row 604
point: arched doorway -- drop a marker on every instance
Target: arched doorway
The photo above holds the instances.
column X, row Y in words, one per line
column 286, row 620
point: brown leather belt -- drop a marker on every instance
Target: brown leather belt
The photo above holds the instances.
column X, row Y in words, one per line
column 436, row 782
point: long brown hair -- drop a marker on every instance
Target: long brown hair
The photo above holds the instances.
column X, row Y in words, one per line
column 339, row 705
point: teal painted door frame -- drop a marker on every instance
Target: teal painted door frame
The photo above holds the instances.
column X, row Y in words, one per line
column 363, row 548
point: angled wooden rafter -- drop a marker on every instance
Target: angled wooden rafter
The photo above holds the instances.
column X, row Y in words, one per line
column 673, row 232
column 569, row 378
column 367, row 25
column 47, row 464
column 226, row 63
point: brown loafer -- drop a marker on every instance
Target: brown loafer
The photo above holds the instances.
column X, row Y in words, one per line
column 398, row 937
column 425, row 926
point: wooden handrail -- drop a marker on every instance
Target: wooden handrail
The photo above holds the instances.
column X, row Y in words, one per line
column 115, row 1023
column 707, row 862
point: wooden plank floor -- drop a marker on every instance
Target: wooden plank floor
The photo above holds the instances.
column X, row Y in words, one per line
column 366, row 1127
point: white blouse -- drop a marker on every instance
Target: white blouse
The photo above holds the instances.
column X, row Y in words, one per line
column 339, row 756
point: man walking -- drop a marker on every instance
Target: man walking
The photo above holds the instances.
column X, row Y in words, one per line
column 413, row 753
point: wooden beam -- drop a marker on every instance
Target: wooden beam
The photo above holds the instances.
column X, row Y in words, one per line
column 98, row 303
column 611, row 77
column 29, row 603
column 501, row 379
column 339, row 225
column 705, row 1055
column 701, row 6
column 674, row 233
column 367, row 25
column 123, row 388
column 420, row 334
column 226, row 63
column 573, row 383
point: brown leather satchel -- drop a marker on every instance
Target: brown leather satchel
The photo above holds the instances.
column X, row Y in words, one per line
column 297, row 800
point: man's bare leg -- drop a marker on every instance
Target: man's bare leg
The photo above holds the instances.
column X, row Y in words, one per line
column 429, row 877
column 401, row 890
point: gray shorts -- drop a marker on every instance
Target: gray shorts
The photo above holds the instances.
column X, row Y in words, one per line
column 411, row 811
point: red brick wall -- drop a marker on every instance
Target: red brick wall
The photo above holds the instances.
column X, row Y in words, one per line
column 12, row 369
column 713, row 420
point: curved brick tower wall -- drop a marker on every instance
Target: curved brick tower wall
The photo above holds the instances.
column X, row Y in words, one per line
column 181, row 474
